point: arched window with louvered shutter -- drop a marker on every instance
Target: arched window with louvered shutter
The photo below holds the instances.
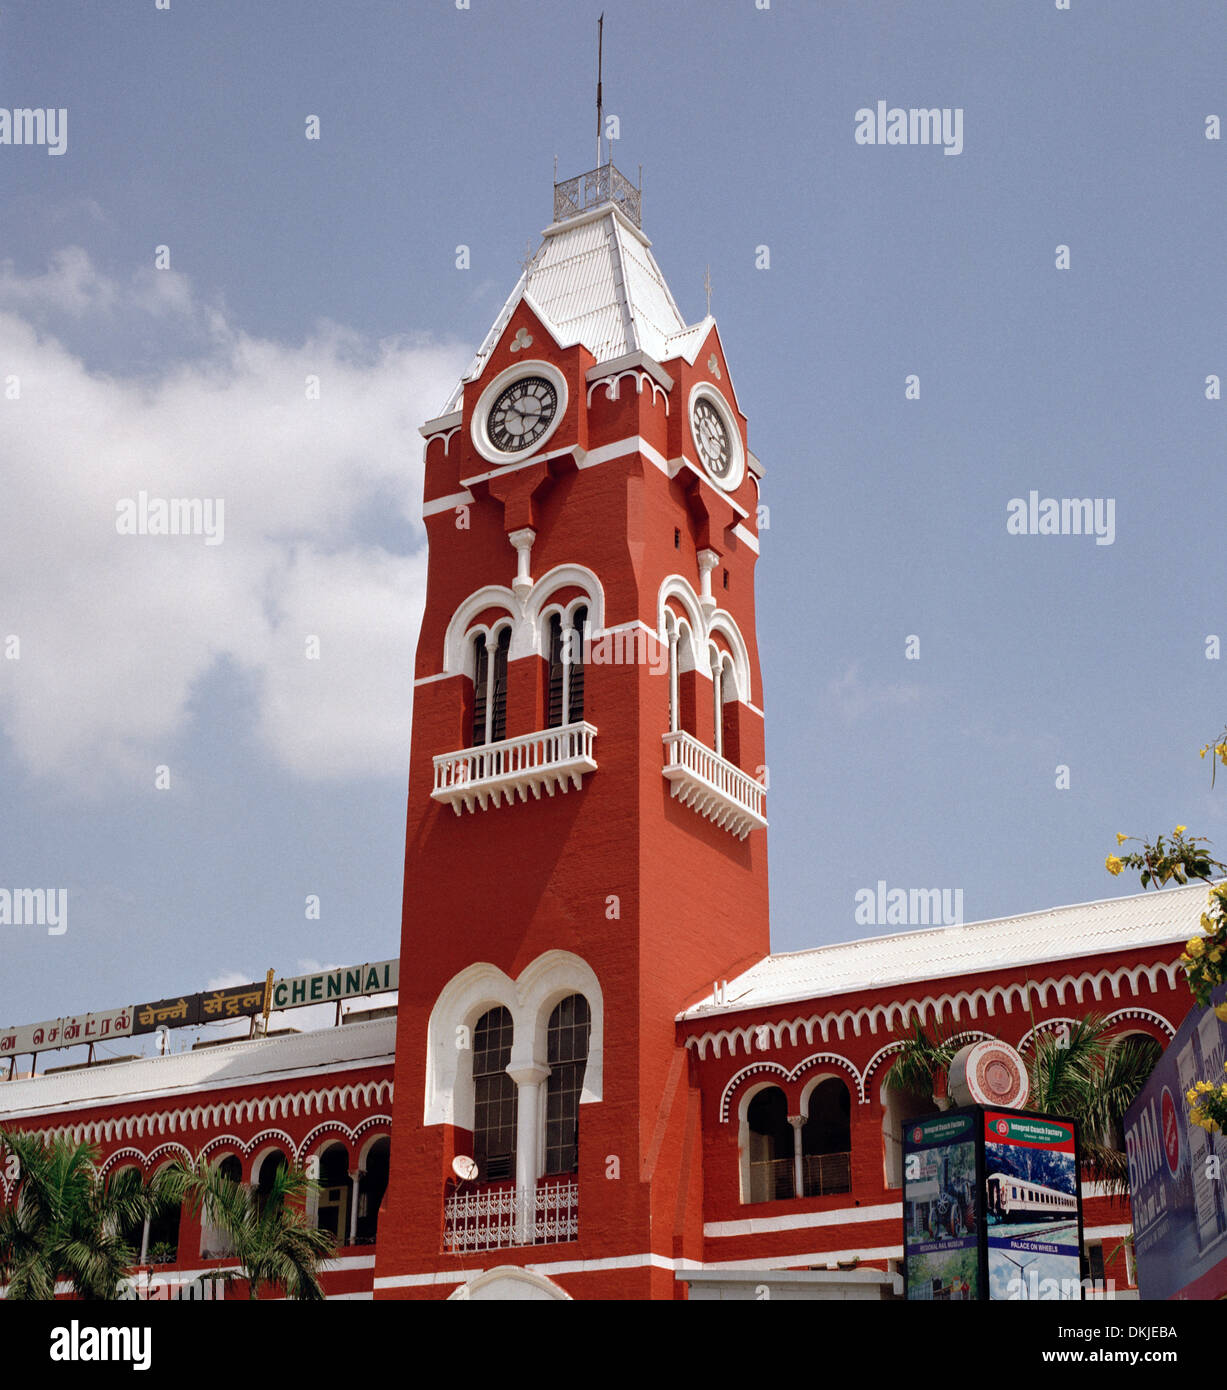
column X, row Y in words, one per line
column 575, row 683
column 481, row 677
column 570, row 1027
column 555, row 675
column 494, row 1097
column 498, row 687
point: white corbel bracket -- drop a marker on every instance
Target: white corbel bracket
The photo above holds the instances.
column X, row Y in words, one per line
column 523, row 540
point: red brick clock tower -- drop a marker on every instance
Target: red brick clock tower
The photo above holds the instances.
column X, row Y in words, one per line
column 586, row 843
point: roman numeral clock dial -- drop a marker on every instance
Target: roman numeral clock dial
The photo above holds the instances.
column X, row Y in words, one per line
column 522, row 414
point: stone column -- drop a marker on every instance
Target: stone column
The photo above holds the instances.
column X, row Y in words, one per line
column 355, row 1181
column 798, row 1159
column 528, row 1078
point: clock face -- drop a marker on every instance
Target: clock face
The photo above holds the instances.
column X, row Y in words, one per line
column 711, row 438
column 522, row 414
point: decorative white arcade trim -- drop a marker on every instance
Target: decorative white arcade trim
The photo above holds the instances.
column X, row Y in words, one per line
column 1120, row 1016
column 226, row 1113
column 552, row 760
column 895, row 1013
column 774, row 1068
column 712, row 786
column 507, row 1217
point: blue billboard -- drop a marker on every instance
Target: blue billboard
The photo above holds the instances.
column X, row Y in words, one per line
column 1177, row 1171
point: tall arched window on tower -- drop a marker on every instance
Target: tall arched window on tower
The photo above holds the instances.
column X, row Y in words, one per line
column 681, row 677
column 490, row 687
column 565, row 692
column 567, row 1053
column 494, row 1098
column 727, row 712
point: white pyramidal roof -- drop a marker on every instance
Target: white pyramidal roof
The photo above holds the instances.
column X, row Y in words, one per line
column 260, row 1061
column 1060, row 933
column 594, row 280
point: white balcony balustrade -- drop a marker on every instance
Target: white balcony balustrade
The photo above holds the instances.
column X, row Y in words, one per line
column 712, row 786
column 504, row 1217
column 552, row 760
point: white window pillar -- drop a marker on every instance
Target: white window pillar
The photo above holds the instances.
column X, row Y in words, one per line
column 673, row 682
column 528, row 1078
column 355, row 1184
column 145, row 1243
column 798, row 1158
column 523, row 541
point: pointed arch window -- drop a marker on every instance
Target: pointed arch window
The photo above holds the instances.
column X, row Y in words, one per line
column 570, row 1027
column 494, row 1097
column 490, row 687
column 565, row 691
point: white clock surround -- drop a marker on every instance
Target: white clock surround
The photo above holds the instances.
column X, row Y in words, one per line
column 704, row 391
column 482, row 442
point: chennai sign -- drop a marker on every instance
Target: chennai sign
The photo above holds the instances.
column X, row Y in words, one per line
column 326, row 986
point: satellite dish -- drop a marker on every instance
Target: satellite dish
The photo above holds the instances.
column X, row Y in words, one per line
column 464, row 1168
column 989, row 1073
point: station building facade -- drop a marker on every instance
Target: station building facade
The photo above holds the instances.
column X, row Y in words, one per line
column 600, row 1083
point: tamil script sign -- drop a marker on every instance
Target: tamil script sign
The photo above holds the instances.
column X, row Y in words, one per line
column 326, row 986
column 192, row 1010
column 67, row 1032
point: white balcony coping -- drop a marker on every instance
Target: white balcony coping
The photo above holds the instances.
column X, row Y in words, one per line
column 550, row 760
column 712, row 786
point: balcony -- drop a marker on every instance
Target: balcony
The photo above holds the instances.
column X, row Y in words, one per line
column 703, row 780
column 823, row 1175
column 552, row 760
column 504, row 1217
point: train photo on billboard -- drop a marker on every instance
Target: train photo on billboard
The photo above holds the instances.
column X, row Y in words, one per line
column 1009, row 1196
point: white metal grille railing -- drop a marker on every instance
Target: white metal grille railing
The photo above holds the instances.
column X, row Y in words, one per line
column 504, row 1217
column 550, row 760
column 603, row 185
column 712, row 785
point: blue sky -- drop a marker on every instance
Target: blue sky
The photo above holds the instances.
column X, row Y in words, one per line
column 336, row 257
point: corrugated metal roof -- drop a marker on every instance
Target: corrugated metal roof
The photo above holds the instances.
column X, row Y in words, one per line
column 262, row 1061
column 593, row 281
column 1089, row 929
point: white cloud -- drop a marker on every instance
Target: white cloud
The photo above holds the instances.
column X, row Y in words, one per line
column 117, row 630
column 854, row 697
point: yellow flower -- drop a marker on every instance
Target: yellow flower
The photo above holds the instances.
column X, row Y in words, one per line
column 1113, row 864
column 1180, row 830
column 1204, row 1086
column 1191, row 1097
column 1195, row 947
column 1120, row 839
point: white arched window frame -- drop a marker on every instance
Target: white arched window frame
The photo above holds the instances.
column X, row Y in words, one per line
column 574, row 617
column 530, row 999
column 486, row 639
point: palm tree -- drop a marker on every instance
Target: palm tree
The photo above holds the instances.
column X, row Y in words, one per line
column 267, row 1230
column 66, row 1223
column 1081, row 1075
column 1092, row 1079
column 923, row 1066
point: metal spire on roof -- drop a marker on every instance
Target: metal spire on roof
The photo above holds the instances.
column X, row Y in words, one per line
column 707, row 287
column 600, row 44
